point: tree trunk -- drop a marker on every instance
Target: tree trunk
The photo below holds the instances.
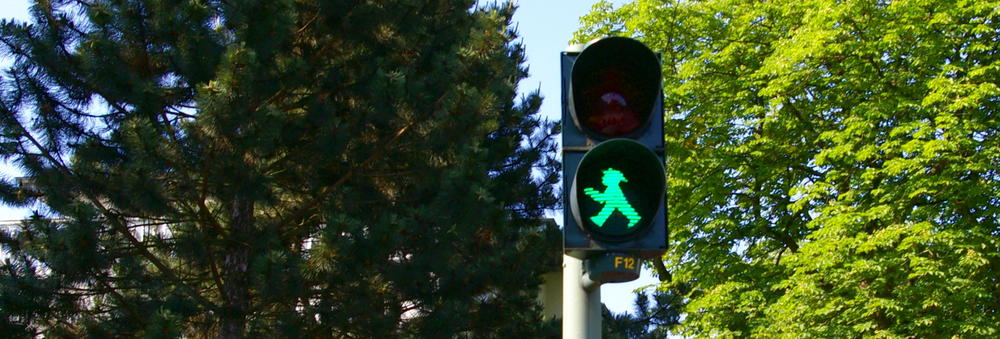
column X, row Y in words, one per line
column 234, row 270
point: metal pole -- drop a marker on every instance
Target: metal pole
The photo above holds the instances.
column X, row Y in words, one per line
column 581, row 302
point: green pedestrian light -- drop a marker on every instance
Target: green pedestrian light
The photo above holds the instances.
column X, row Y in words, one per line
column 612, row 198
column 617, row 190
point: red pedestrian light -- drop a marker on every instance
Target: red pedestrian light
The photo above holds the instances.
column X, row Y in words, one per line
column 615, row 84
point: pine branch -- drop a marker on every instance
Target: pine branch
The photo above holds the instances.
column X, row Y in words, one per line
column 116, row 223
column 327, row 190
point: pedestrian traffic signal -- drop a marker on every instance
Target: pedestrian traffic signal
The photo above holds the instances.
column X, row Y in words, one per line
column 613, row 168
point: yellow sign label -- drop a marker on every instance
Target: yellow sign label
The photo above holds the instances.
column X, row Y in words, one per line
column 625, row 262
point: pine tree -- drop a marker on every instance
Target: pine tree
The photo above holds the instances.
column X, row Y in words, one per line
column 278, row 168
column 646, row 320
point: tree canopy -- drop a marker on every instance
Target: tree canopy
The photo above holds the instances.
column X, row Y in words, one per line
column 287, row 168
column 834, row 166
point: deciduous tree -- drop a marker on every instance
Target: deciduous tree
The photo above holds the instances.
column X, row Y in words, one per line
column 833, row 165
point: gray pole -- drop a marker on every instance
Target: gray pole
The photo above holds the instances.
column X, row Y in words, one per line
column 581, row 302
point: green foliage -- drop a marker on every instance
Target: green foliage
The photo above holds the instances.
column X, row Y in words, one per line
column 833, row 165
column 286, row 168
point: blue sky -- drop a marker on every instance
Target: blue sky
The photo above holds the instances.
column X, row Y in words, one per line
column 546, row 27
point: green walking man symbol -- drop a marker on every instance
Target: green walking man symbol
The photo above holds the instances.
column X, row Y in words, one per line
column 612, row 198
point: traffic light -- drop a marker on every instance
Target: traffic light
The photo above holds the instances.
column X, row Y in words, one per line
column 614, row 181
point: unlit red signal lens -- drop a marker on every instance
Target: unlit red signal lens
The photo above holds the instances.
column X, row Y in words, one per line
column 608, row 94
column 615, row 83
